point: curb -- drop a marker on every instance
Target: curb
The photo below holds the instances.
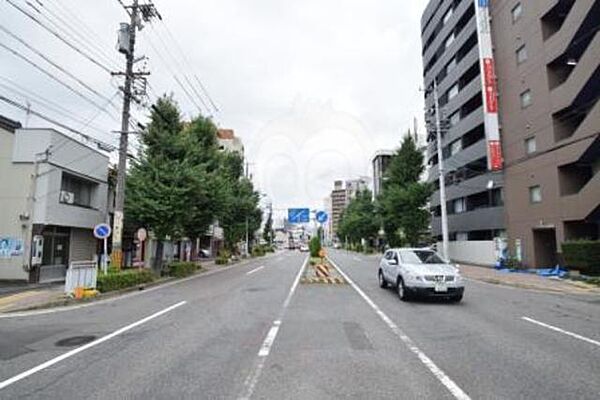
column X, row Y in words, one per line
column 542, row 289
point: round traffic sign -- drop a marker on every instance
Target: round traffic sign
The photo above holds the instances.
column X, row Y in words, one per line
column 102, row 231
column 322, row 217
column 141, row 234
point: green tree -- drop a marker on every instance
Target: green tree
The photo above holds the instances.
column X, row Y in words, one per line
column 402, row 203
column 359, row 220
column 268, row 229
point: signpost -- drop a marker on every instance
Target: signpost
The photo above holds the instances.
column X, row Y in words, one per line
column 102, row 232
column 322, row 217
column 141, row 235
column 299, row 215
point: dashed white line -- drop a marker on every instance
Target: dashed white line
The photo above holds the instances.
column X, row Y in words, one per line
column 441, row 376
column 559, row 330
column 265, row 348
column 255, row 270
column 80, row 349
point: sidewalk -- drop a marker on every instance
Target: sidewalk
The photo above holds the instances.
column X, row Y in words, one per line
column 30, row 297
column 527, row 281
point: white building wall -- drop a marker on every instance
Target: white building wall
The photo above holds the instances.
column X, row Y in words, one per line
column 14, row 189
column 472, row 252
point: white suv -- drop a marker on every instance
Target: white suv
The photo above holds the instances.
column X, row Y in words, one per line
column 420, row 272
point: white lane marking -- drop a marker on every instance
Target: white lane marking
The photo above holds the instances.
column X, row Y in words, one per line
column 564, row 332
column 122, row 297
column 356, row 258
column 265, row 348
column 255, row 270
column 441, row 376
column 80, row 349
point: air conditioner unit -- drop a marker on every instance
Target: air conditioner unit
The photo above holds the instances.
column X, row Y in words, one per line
column 67, row 197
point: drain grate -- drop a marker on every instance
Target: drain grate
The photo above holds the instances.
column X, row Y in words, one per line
column 75, row 341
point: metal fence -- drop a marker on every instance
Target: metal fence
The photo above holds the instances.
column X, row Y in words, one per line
column 81, row 274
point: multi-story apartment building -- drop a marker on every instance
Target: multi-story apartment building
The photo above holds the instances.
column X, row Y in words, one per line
column 354, row 186
column 338, row 204
column 454, row 56
column 548, row 68
column 380, row 162
column 54, row 191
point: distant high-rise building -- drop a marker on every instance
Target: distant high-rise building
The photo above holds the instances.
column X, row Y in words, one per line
column 380, row 163
column 338, row 204
column 354, row 186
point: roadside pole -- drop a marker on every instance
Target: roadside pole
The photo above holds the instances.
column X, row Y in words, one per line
column 442, row 178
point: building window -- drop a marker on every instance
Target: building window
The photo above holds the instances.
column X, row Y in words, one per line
column 535, row 194
column 517, row 12
column 454, row 119
column 459, row 206
column 521, row 54
column 448, row 15
column 76, row 191
column 451, row 65
column 450, row 40
column 453, row 92
column 526, row 99
column 455, row 147
column 530, row 145
column 462, row 236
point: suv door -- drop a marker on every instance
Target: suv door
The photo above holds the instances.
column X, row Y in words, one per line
column 395, row 268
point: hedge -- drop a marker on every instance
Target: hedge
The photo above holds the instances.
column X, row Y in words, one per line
column 315, row 246
column 583, row 255
column 183, row 269
column 123, row 279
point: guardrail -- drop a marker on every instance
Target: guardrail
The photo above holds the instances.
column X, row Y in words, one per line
column 82, row 274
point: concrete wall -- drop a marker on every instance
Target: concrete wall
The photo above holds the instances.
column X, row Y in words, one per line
column 472, row 252
column 14, row 190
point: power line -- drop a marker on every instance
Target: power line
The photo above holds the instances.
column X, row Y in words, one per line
column 54, row 122
column 55, row 65
column 58, row 36
column 76, row 33
column 54, row 78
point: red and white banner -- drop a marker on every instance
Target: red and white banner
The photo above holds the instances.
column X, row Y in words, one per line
column 489, row 86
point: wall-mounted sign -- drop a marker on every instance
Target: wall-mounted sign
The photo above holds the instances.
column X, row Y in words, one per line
column 10, row 247
column 489, row 86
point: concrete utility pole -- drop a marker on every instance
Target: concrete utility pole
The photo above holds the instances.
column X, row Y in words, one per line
column 147, row 12
column 441, row 172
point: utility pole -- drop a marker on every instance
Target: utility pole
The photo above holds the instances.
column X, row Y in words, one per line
column 147, row 11
column 441, row 171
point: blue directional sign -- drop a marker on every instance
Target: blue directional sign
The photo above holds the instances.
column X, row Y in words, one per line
column 298, row 215
column 322, row 217
column 102, row 231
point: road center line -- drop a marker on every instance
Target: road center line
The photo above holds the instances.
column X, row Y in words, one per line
column 80, row 349
column 441, row 376
column 265, row 348
column 255, row 270
column 559, row 330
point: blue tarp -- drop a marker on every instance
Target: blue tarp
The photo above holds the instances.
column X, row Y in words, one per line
column 545, row 272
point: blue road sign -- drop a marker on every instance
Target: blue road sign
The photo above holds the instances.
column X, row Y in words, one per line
column 298, row 215
column 102, row 231
column 322, row 217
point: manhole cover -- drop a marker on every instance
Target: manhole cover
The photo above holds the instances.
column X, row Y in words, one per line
column 75, row 341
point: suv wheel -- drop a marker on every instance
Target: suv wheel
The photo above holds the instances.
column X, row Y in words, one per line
column 402, row 293
column 382, row 281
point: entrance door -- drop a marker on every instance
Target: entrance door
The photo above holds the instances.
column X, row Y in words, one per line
column 55, row 258
column 544, row 241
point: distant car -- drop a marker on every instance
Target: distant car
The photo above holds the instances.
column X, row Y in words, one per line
column 202, row 253
column 420, row 272
column 304, row 248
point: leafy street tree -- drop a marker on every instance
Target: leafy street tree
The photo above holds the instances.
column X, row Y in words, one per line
column 268, row 229
column 181, row 182
column 359, row 220
column 402, row 203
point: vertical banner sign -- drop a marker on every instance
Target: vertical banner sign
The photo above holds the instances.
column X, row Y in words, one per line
column 489, row 86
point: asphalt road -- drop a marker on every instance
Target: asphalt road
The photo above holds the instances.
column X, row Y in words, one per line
column 254, row 331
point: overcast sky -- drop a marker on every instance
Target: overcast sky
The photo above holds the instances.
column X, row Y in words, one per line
column 313, row 87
